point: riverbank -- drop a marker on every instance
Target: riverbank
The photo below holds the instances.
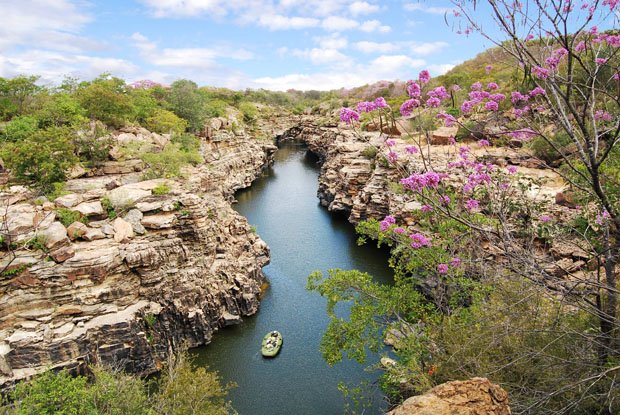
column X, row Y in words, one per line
column 151, row 265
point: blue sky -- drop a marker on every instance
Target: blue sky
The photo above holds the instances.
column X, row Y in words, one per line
column 273, row 44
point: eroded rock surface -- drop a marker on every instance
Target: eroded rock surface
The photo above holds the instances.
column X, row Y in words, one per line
column 476, row 396
column 144, row 274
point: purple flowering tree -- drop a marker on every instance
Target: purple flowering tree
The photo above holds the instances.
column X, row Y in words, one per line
column 472, row 210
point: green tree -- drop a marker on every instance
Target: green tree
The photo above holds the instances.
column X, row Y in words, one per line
column 106, row 99
column 41, row 158
column 165, row 122
column 188, row 103
column 16, row 94
column 185, row 389
column 19, row 128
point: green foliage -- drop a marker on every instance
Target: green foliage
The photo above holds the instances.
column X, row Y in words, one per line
column 53, row 394
column 165, row 122
column 249, row 111
column 19, row 128
column 116, row 393
column 60, row 110
column 106, row 99
column 185, row 389
column 36, row 243
column 92, row 149
column 161, row 189
column 169, row 161
column 41, row 158
column 186, row 142
column 17, row 95
column 547, row 149
column 68, row 216
column 216, row 108
column 107, row 205
column 370, row 152
column 188, row 103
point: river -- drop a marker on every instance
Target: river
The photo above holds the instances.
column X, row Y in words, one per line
column 303, row 237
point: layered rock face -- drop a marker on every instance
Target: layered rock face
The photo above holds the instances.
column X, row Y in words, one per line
column 151, row 266
column 476, row 396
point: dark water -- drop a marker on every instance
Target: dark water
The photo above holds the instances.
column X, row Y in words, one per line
column 303, row 237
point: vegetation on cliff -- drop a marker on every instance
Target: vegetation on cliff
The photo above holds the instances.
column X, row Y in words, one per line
column 181, row 389
column 480, row 289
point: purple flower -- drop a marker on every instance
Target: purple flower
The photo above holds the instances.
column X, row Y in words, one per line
column 433, row 102
column 411, row 149
column 348, row 115
column 467, row 106
column 425, row 77
column 616, row 77
column 601, row 61
column 420, row 181
column 492, row 86
column 545, row 218
column 426, row 208
column 601, row 115
column 497, row 97
column 517, row 96
column 512, row 169
column 483, row 143
column 392, row 157
column 390, row 142
column 439, row 92
column 537, row 91
column 488, row 69
column 580, row 47
column 413, row 89
column 602, row 217
column 408, row 106
column 380, row 103
column 491, row 106
column 442, row 268
column 540, row 73
column 525, row 134
column 455, row 262
column 472, row 204
column 418, row 240
column 448, row 119
column 399, row 230
column 456, row 88
column 366, row 106
column 444, row 200
column 386, row 222
column 477, row 86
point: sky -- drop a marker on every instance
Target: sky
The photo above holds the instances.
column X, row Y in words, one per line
column 271, row 44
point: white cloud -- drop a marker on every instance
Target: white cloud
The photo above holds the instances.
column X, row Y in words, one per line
column 374, row 26
column 376, row 47
column 361, row 7
column 384, row 67
column 321, row 56
column 184, row 8
column 333, row 41
column 195, row 58
column 412, row 7
column 53, row 66
column 337, row 24
column 280, row 22
column 440, row 69
column 427, row 48
column 48, row 25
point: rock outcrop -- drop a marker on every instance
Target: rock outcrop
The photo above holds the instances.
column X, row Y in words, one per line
column 140, row 274
column 476, row 396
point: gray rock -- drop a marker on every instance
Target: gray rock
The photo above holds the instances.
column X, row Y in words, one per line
column 123, row 231
column 55, row 235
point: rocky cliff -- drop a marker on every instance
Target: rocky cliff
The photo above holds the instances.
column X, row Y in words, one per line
column 149, row 266
column 476, row 396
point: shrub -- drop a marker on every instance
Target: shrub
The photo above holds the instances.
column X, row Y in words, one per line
column 42, row 158
column 370, row 152
column 163, row 121
column 216, row 108
column 249, row 111
column 68, row 216
column 106, row 100
column 168, row 163
column 161, row 189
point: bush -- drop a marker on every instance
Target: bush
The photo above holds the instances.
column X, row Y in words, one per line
column 370, row 152
column 161, row 189
column 168, row 163
column 164, row 122
column 106, row 100
column 68, row 216
column 19, row 128
column 216, row 108
column 42, row 158
column 249, row 111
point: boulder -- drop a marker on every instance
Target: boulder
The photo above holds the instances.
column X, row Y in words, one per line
column 63, row 253
column 55, row 236
column 123, row 231
column 76, row 230
column 162, row 221
column 90, row 209
column 126, row 196
column 93, row 234
column 134, row 216
column 69, row 201
column 477, row 396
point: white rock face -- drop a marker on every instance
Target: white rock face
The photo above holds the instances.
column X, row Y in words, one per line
column 123, row 231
